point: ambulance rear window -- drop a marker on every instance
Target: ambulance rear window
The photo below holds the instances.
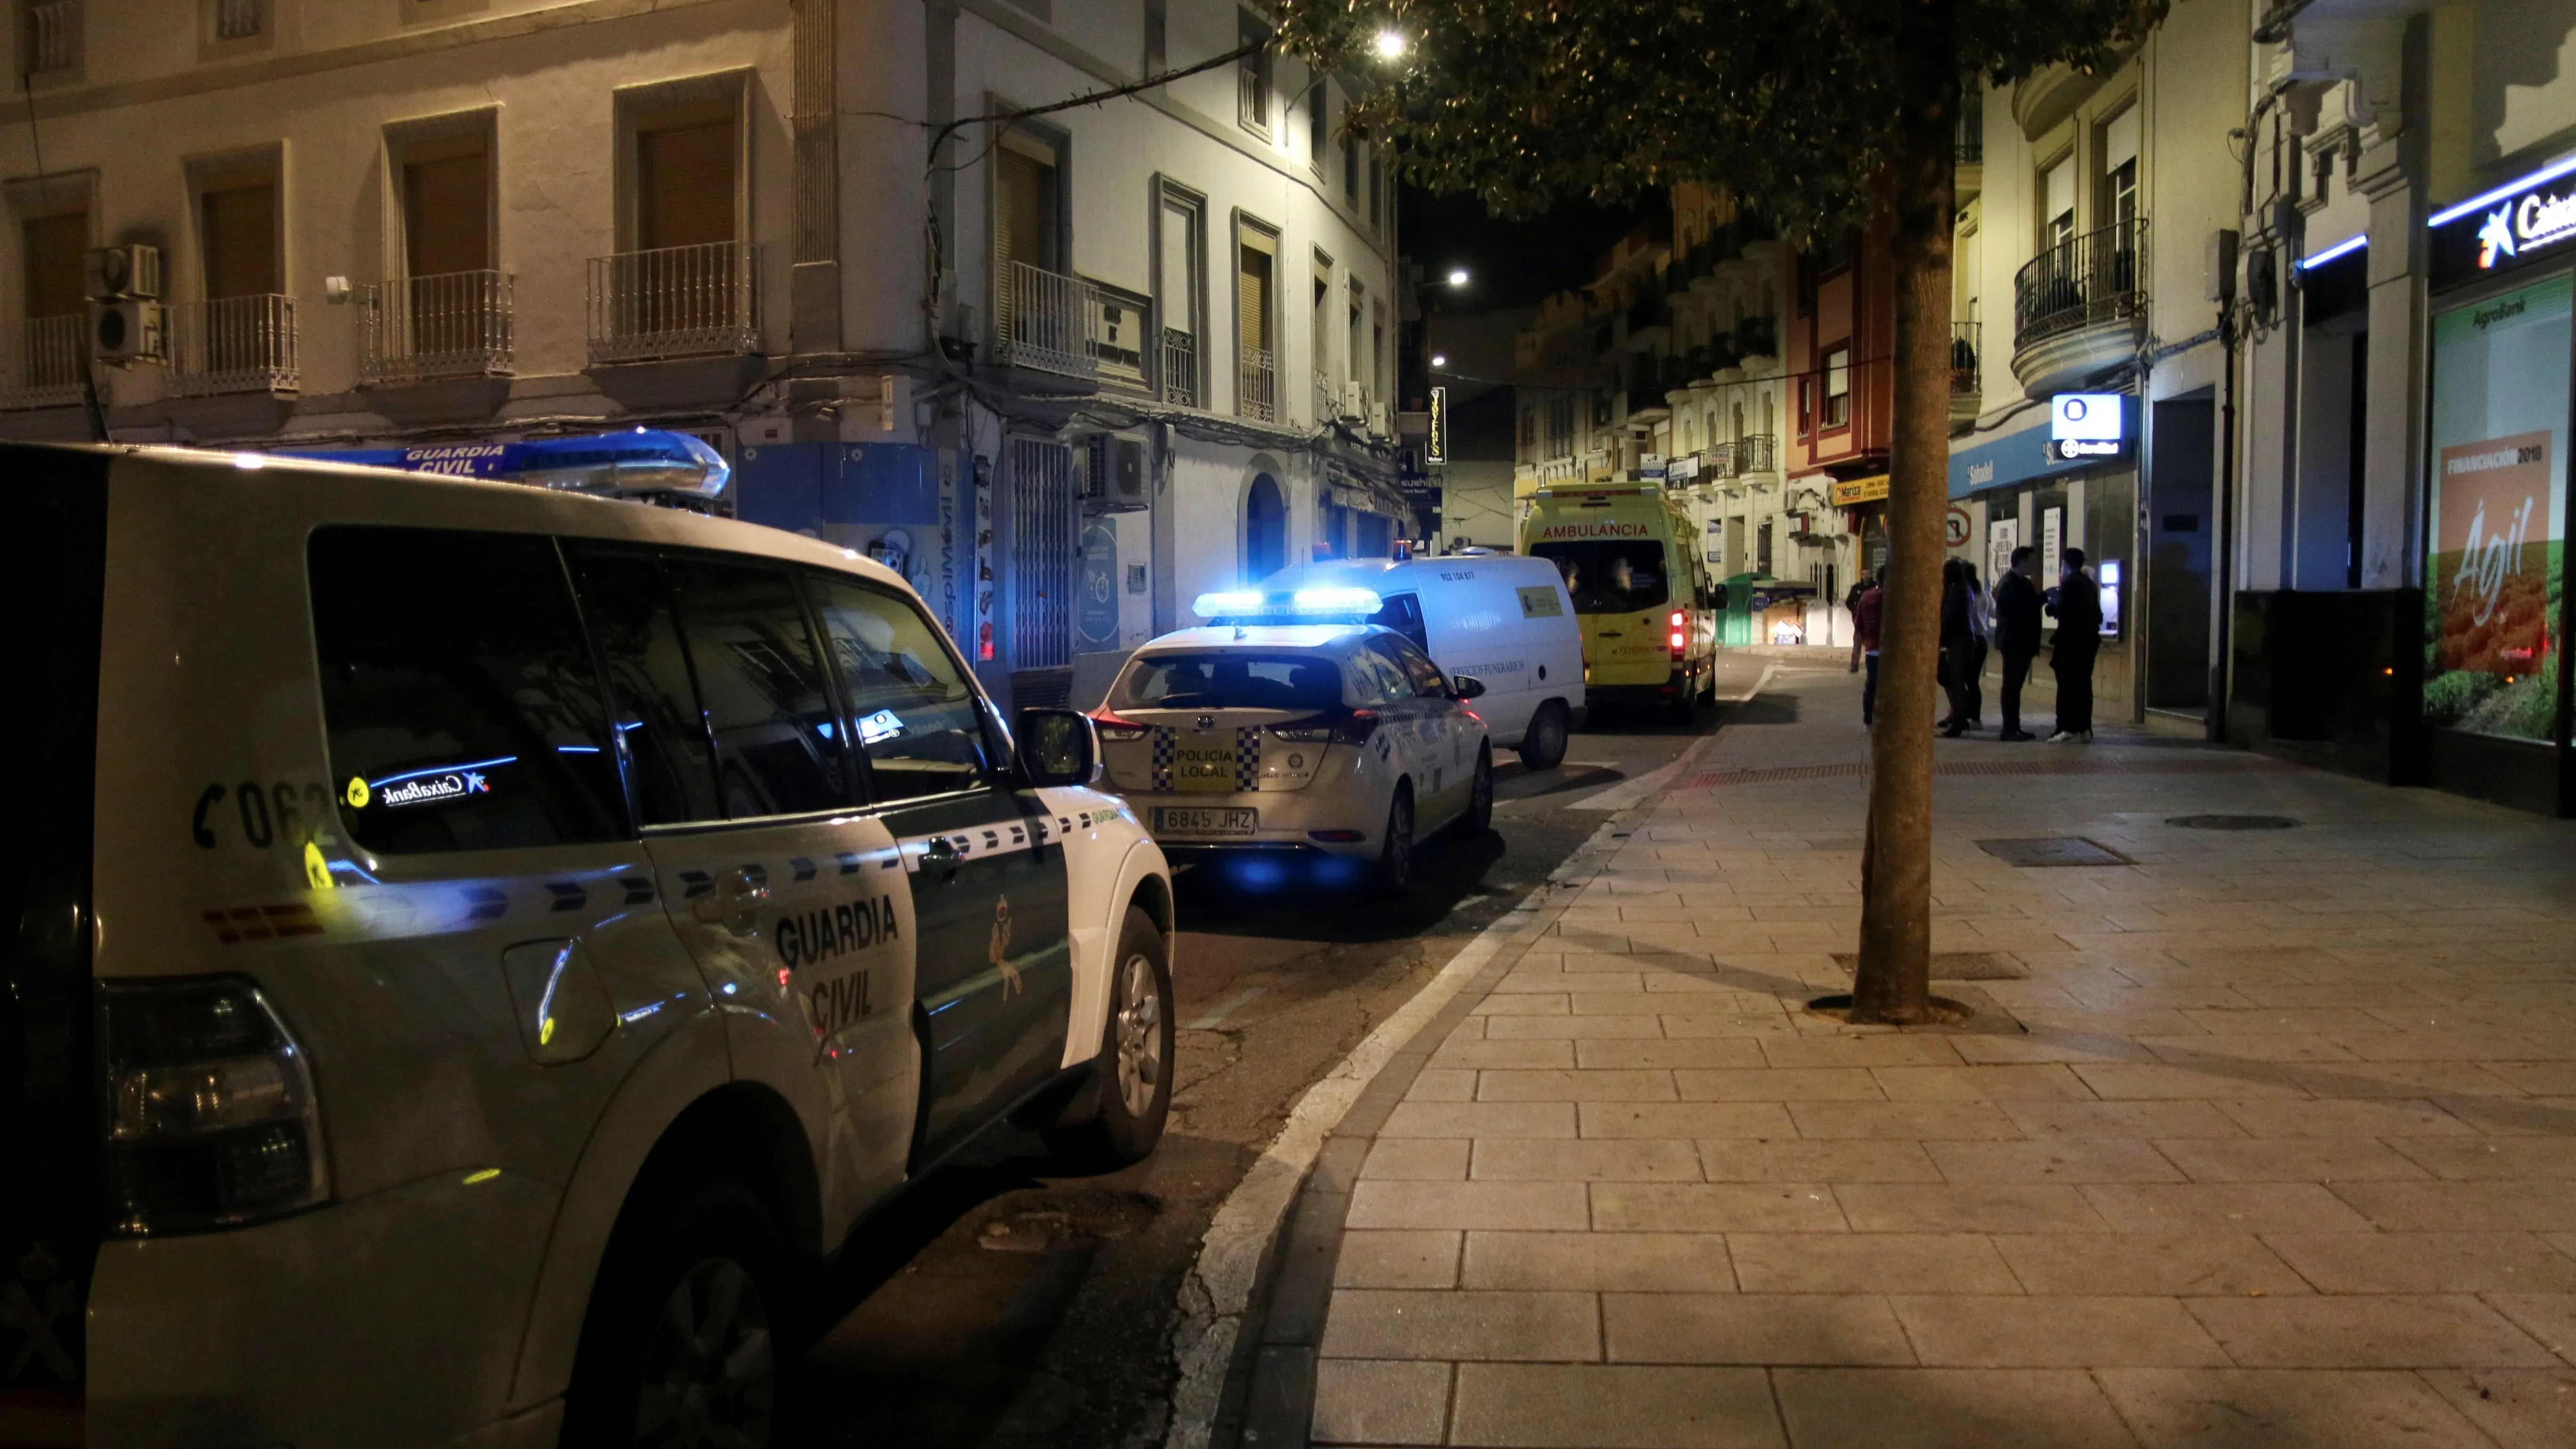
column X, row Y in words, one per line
column 1610, row 576
column 463, row 708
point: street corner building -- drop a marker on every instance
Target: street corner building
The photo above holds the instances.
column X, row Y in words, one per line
column 2270, row 317
column 1064, row 369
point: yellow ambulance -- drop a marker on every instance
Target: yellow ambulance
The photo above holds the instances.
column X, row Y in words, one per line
column 1644, row 597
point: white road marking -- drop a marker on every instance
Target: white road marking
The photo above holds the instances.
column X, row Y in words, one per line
column 1226, row 1008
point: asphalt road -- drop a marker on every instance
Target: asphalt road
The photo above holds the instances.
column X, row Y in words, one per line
column 998, row 1305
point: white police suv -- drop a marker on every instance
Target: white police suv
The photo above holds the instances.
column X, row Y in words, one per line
column 467, row 952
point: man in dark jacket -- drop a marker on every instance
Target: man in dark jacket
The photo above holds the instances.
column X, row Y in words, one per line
column 1958, row 648
column 2078, row 607
column 2017, row 634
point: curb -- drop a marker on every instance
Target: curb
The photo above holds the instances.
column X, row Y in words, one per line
column 1268, row 1258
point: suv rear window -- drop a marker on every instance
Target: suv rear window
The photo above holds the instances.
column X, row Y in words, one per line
column 463, row 708
column 1610, row 576
column 1214, row 680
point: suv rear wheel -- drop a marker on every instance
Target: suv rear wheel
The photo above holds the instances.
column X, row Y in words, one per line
column 1134, row 1082
column 680, row 1347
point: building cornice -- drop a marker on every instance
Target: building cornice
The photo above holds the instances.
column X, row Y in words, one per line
column 227, row 75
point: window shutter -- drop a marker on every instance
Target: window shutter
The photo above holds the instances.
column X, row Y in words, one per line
column 1255, row 299
column 54, row 280
column 685, row 186
column 447, row 223
column 240, row 237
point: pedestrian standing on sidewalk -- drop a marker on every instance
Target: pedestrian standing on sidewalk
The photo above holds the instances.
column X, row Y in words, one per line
column 1867, row 614
column 2017, row 634
column 1958, row 647
column 1981, row 622
column 2077, row 605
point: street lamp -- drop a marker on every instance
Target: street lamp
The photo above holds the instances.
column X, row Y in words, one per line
column 1391, row 45
column 1439, row 359
column 1457, row 276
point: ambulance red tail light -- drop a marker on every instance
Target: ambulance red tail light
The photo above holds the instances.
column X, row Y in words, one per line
column 1680, row 636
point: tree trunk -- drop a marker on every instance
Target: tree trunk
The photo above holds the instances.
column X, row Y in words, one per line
column 1894, row 982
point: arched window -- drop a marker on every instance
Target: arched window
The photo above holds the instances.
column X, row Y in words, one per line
column 1265, row 530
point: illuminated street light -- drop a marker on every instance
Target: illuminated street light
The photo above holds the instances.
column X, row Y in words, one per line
column 1390, row 45
column 1457, row 276
column 1439, row 359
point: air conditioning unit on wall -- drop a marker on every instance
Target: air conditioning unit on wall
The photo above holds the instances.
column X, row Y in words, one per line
column 1354, row 404
column 112, row 273
column 1113, row 473
column 127, row 330
column 1380, row 424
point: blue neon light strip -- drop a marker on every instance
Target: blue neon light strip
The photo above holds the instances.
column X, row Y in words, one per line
column 441, row 770
column 2345, row 247
column 2550, row 172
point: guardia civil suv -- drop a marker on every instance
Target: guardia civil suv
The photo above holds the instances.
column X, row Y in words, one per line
column 468, row 953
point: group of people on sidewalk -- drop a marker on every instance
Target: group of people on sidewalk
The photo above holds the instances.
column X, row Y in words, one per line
column 2006, row 620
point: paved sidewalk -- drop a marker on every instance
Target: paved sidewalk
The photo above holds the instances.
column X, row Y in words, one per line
column 2265, row 1138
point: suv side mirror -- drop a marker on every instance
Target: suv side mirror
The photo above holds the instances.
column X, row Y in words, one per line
column 1717, row 597
column 1465, row 686
column 1057, row 747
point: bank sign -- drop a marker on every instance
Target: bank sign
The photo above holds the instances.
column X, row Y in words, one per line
column 2520, row 223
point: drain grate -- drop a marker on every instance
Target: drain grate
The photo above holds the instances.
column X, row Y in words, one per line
column 2233, row 822
column 2053, row 850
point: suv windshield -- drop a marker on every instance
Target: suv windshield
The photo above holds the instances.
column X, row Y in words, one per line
column 1308, row 682
column 1610, row 576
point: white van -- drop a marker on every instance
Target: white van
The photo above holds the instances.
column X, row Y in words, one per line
column 1498, row 618
column 470, row 954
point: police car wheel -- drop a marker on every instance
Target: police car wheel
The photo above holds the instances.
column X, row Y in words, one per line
column 1395, row 858
column 685, row 1351
column 1543, row 747
column 1135, row 1063
column 1480, row 795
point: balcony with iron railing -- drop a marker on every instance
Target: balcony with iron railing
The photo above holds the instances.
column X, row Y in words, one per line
column 1041, row 322
column 240, row 19
column 675, row 302
column 50, row 37
column 420, row 329
column 1256, row 385
column 1180, row 368
column 49, row 363
column 2080, row 307
column 233, row 345
column 1717, row 461
column 1966, row 352
column 1757, row 453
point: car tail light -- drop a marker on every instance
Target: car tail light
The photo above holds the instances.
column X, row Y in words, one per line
column 1310, row 732
column 1356, row 727
column 210, row 1116
column 1678, row 639
column 1112, row 727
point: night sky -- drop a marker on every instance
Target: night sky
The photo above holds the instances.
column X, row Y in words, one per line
column 1512, row 263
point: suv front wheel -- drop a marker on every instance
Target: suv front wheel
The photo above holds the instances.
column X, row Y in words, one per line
column 1134, row 1081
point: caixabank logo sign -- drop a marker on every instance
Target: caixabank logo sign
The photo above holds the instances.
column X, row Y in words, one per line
column 2521, row 223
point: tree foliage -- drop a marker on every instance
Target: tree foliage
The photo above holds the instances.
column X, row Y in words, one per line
column 1794, row 106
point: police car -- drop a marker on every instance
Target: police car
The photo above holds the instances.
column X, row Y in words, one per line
column 471, row 951
column 1264, row 741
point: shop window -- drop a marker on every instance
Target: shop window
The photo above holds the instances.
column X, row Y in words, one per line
column 2494, row 524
